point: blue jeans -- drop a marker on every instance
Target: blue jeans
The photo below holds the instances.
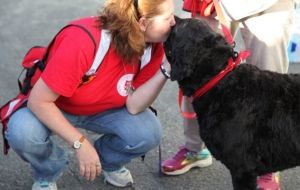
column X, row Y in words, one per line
column 125, row 136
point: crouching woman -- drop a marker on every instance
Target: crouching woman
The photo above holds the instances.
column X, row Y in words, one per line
column 115, row 103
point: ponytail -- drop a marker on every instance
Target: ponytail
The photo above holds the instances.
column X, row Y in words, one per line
column 121, row 18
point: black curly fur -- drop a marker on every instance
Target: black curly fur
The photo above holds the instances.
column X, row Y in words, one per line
column 250, row 120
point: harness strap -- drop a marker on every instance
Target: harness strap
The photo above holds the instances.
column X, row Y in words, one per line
column 101, row 52
column 232, row 63
column 225, row 29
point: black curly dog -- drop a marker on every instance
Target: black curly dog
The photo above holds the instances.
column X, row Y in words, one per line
column 250, row 120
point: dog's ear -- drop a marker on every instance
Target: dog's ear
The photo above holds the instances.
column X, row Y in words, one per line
column 176, row 73
column 181, row 48
column 181, row 67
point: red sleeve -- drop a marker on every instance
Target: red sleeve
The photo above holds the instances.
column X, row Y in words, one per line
column 152, row 67
column 70, row 57
column 188, row 5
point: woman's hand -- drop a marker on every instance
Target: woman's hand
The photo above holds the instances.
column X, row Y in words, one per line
column 89, row 162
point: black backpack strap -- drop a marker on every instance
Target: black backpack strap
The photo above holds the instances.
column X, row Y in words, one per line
column 40, row 64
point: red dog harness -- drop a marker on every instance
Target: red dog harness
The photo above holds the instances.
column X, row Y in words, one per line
column 232, row 63
column 213, row 82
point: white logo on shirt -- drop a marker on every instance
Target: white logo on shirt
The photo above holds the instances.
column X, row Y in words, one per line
column 124, row 83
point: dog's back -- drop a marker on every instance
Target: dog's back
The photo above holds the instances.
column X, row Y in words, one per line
column 255, row 112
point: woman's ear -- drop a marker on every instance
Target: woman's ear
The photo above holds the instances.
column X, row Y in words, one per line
column 143, row 22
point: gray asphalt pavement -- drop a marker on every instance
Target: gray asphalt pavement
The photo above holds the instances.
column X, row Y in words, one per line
column 25, row 23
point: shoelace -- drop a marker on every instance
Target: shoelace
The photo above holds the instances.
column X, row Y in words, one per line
column 190, row 155
column 122, row 170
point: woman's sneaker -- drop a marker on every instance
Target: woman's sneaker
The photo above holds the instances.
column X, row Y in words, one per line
column 119, row 178
column 184, row 160
column 269, row 181
column 44, row 185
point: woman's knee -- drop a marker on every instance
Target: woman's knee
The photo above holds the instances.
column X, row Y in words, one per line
column 152, row 141
column 147, row 135
column 24, row 130
column 153, row 128
column 135, row 134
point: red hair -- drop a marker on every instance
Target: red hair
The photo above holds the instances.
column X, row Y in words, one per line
column 121, row 18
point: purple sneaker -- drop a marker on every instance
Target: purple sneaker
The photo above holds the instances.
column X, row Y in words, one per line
column 184, row 160
column 269, row 181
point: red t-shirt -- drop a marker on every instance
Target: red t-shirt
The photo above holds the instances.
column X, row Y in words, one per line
column 71, row 57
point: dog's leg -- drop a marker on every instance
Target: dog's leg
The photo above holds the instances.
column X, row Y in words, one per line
column 244, row 181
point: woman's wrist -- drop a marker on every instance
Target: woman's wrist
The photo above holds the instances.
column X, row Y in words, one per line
column 164, row 71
